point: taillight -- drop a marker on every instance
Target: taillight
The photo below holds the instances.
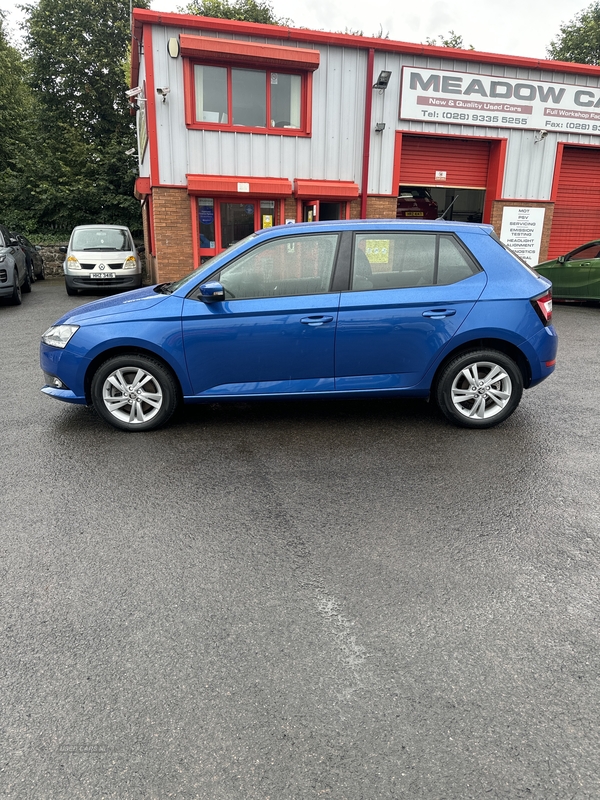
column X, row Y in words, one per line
column 543, row 306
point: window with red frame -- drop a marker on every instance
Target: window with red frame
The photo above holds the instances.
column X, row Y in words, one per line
column 247, row 98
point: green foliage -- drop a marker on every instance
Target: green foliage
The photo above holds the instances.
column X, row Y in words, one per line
column 70, row 128
column 244, row 10
column 579, row 39
column 451, row 40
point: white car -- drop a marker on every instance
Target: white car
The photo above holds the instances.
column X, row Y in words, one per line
column 101, row 256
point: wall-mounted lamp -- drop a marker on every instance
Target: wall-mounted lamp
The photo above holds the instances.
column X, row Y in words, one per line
column 164, row 91
column 173, row 47
column 134, row 92
column 379, row 127
column 383, row 79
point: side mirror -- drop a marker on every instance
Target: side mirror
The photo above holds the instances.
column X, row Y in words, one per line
column 38, row 248
column 13, row 242
column 62, row 249
column 561, row 259
column 211, row 292
column 141, row 248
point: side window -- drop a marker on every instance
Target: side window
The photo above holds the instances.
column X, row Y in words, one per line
column 585, row 253
column 292, row 265
column 453, row 264
column 393, row 260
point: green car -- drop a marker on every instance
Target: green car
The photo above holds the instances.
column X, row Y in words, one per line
column 575, row 276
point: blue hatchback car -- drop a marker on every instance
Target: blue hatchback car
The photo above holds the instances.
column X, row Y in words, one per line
column 374, row 308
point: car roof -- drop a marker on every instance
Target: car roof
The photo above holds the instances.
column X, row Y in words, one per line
column 100, row 225
column 366, row 225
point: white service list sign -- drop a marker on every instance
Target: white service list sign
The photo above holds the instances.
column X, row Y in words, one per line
column 522, row 231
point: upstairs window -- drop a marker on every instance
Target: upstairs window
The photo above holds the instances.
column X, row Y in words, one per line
column 247, row 98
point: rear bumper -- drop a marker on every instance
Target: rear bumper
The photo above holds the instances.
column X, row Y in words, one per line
column 543, row 358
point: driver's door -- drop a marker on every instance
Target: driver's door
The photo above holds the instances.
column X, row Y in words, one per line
column 571, row 279
column 275, row 331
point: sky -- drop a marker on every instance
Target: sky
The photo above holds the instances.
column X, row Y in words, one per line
column 511, row 27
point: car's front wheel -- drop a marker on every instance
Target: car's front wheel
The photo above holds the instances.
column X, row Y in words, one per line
column 134, row 393
column 16, row 298
column 479, row 389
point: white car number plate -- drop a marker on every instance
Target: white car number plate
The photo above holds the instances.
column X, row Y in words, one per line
column 102, row 274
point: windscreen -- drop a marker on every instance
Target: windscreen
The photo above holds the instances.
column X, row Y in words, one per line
column 101, row 239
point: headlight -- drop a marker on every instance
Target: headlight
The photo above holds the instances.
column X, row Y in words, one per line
column 59, row 335
column 72, row 263
column 130, row 263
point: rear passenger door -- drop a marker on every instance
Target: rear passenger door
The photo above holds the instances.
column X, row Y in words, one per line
column 409, row 294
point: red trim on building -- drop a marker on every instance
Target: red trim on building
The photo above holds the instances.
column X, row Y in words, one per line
column 367, row 134
column 325, row 190
column 151, row 107
column 195, row 232
column 445, row 54
column 229, row 185
column 265, row 55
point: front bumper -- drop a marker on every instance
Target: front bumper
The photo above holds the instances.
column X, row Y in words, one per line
column 125, row 281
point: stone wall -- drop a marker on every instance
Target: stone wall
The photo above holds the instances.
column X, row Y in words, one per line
column 53, row 260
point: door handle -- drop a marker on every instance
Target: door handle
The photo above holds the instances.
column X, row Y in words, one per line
column 439, row 313
column 315, row 321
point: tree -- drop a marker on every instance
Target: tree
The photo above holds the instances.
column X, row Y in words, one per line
column 579, row 39
column 451, row 40
column 244, row 10
column 78, row 170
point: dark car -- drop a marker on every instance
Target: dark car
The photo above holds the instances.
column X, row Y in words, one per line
column 14, row 275
column 378, row 308
column 33, row 257
column 415, row 202
column 576, row 275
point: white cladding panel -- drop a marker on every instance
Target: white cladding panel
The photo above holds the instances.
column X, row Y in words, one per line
column 335, row 149
column 333, row 152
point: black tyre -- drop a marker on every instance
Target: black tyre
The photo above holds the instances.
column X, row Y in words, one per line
column 134, row 393
column 70, row 291
column 15, row 298
column 26, row 287
column 479, row 389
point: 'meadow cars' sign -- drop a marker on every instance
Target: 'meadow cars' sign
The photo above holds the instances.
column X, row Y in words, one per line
column 463, row 98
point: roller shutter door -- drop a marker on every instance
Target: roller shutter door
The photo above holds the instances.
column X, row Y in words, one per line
column 465, row 161
column 576, row 217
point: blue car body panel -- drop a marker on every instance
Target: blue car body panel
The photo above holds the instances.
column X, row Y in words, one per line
column 379, row 342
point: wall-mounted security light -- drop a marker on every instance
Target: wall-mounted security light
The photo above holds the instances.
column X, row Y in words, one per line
column 164, row 91
column 383, row 79
column 173, row 47
column 379, row 127
column 539, row 136
column 130, row 152
column 134, row 92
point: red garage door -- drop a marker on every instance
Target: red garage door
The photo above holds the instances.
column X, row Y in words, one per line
column 465, row 161
column 577, row 202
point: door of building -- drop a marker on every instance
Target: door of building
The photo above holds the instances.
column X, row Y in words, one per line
column 455, row 172
column 576, row 217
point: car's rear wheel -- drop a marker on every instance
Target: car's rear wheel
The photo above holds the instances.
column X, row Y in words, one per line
column 134, row 393
column 16, row 299
column 479, row 389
